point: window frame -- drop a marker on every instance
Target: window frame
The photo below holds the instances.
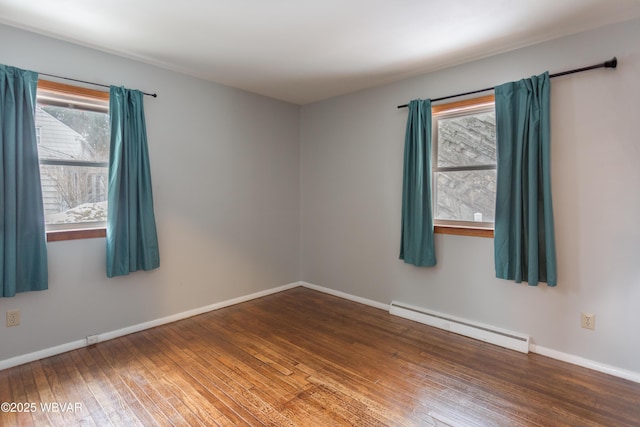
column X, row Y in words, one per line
column 61, row 94
column 453, row 227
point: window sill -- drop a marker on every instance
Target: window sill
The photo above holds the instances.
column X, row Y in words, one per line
column 463, row 231
column 85, row 233
column 91, row 233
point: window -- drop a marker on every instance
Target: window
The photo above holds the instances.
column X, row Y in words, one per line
column 464, row 166
column 73, row 146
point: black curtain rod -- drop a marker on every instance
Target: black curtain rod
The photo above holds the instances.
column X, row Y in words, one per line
column 155, row 95
column 613, row 63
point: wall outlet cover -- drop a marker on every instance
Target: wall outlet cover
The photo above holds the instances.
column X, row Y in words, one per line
column 588, row 321
column 13, row 318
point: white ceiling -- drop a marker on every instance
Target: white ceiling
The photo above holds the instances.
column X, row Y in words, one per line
column 307, row 50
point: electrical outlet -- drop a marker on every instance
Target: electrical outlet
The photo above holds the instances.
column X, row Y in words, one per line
column 13, row 318
column 588, row 320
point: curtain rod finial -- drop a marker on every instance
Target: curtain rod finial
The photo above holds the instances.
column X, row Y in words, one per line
column 613, row 63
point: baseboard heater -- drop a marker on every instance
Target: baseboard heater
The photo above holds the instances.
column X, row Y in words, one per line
column 468, row 328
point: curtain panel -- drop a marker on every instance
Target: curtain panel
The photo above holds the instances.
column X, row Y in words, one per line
column 417, row 238
column 132, row 241
column 524, row 239
column 23, row 247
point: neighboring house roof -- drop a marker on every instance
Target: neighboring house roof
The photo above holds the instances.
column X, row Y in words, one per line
column 57, row 140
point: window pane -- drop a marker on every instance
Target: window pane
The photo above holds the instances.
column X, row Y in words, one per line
column 74, row 194
column 72, row 134
column 468, row 140
column 466, row 195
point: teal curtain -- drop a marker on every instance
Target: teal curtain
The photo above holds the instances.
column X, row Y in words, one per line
column 524, row 242
column 23, row 247
column 417, row 241
column 132, row 241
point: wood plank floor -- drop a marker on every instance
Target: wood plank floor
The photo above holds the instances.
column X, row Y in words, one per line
column 305, row 358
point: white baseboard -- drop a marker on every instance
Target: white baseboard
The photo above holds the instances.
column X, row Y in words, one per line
column 585, row 363
column 52, row 351
column 41, row 354
column 344, row 295
column 63, row 348
column 543, row 351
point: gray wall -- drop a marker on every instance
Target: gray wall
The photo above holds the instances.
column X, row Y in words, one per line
column 225, row 171
column 253, row 193
column 351, row 183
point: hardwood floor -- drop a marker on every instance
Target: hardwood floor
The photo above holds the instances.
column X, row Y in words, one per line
column 305, row 358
